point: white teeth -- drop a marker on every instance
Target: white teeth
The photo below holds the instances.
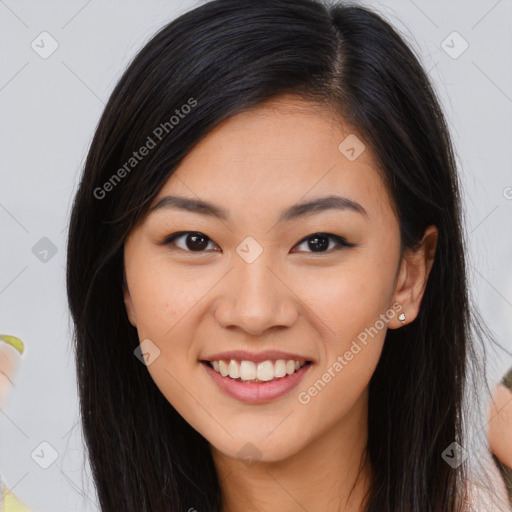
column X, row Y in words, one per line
column 234, row 370
column 280, row 368
column 264, row 371
column 223, row 368
column 247, row 370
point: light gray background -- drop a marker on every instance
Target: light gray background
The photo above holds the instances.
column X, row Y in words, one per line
column 49, row 110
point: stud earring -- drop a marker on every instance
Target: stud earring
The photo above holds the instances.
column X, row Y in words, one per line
column 401, row 317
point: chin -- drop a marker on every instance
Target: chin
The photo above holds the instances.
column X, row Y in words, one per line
column 253, row 447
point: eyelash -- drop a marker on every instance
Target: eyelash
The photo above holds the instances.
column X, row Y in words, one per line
column 339, row 240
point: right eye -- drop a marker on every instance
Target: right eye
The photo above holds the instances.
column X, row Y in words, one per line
column 191, row 241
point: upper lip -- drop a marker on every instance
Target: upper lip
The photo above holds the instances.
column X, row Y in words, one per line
column 256, row 357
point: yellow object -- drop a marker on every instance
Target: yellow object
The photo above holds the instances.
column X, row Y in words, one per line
column 13, row 341
column 11, row 503
column 8, row 501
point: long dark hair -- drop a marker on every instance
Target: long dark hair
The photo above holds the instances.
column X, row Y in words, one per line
column 220, row 59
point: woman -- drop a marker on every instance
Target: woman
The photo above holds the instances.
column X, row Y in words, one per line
column 266, row 272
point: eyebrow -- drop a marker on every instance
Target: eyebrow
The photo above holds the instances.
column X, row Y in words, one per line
column 296, row 211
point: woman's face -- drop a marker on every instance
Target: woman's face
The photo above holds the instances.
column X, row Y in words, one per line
column 254, row 276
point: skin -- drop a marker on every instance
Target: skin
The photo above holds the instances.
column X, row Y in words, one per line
column 191, row 305
column 500, row 425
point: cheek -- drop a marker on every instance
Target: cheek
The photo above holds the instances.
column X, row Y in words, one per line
column 353, row 338
column 352, row 302
column 161, row 297
column 166, row 302
column 348, row 298
column 161, row 305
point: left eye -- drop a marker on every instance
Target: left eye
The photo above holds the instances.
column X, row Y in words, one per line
column 196, row 241
column 320, row 241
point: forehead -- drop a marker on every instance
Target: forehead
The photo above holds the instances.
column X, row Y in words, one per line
column 282, row 152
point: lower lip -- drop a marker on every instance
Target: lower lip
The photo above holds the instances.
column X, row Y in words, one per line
column 257, row 392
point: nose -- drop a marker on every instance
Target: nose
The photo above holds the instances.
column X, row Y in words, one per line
column 256, row 298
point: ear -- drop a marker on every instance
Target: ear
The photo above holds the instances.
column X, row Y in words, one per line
column 128, row 303
column 413, row 276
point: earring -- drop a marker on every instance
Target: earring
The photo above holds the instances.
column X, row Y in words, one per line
column 401, row 317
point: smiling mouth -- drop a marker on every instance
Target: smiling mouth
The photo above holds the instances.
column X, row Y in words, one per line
column 251, row 372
